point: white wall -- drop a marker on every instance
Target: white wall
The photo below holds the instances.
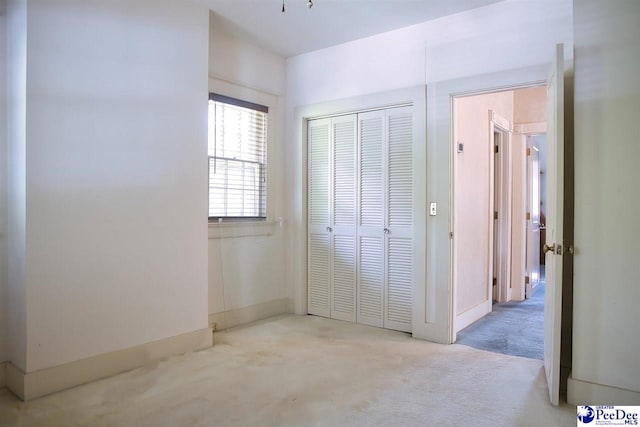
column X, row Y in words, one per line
column 116, row 232
column 492, row 40
column 607, row 230
column 4, row 247
column 16, row 189
column 248, row 271
column 243, row 63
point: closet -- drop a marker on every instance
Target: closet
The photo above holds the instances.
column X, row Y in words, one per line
column 360, row 217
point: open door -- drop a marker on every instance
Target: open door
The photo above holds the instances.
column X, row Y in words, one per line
column 554, row 246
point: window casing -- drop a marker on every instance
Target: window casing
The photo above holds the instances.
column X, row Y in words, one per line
column 237, row 159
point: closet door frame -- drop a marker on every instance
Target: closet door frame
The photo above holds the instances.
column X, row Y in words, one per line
column 424, row 310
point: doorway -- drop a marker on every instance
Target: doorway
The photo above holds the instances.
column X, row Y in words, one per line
column 536, row 218
column 496, row 256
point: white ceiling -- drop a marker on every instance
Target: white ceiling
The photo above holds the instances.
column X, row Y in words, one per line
column 328, row 23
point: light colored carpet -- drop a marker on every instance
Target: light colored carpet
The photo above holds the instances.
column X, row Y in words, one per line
column 305, row 370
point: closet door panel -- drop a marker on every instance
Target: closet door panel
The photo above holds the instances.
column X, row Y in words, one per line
column 343, row 295
column 371, row 212
column 400, row 169
column 343, row 217
column 371, row 281
column 371, row 170
column 318, row 270
column 318, row 265
column 399, row 283
column 319, row 131
column 344, row 171
column 400, row 187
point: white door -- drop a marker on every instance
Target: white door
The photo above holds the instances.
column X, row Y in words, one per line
column 371, row 218
column 554, row 246
column 399, row 221
column 343, row 217
column 318, row 240
column 361, row 216
column 332, row 218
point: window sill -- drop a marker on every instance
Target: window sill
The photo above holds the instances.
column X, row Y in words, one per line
column 242, row 229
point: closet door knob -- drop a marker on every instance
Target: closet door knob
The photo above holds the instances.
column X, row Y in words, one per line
column 386, row 231
column 329, row 229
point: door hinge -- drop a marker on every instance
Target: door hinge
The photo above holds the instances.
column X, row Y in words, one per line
column 526, row 280
column 495, row 281
column 495, row 215
column 528, row 151
column 528, row 216
column 497, row 149
column 451, row 234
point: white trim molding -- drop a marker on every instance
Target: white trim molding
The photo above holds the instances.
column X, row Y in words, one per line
column 471, row 315
column 226, row 230
column 242, row 316
column 530, row 128
column 35, row 384
column 585, row 393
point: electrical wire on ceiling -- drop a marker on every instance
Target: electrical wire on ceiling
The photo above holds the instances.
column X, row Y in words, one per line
column 309, row 5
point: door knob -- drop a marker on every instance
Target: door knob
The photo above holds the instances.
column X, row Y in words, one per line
column 329, row 229
column 386, row 231
column 546, row 248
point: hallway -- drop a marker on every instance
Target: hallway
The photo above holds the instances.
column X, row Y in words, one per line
column 514, row 328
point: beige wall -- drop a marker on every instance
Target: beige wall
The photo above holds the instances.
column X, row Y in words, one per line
column 529, row 105
column 472, row 185
column 471, row 195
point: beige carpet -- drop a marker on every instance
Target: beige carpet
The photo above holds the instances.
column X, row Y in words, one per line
column 294, row 371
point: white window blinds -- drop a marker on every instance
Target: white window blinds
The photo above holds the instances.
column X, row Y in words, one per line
column 237, row 158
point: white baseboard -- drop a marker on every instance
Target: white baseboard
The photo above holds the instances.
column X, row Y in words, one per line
column 586, row 393
column 468, row 317
column 3, row 375
column 39, row 383
column 244, row 315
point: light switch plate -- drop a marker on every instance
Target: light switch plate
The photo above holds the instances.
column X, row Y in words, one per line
column 433, row 208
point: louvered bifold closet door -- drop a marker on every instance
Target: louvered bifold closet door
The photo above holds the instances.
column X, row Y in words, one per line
column 318, row 251
column 343, row 217
column 399, row 219
column 371, row 218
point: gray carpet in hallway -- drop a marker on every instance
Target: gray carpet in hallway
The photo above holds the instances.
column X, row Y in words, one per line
column 513, row 328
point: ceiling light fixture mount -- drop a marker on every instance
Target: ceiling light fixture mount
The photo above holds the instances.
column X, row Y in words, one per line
column 309, row 5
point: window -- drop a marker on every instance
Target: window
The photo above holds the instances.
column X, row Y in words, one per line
column 237, row 158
